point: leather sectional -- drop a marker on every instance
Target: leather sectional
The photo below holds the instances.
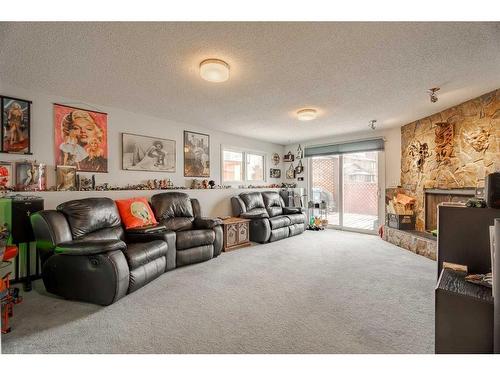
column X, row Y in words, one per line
column 271, row 219
column 87, row 255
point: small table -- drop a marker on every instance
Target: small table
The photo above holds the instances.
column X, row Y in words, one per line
column 236, row 233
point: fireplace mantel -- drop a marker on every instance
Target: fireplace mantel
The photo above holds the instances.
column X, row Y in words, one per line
column 466, row 191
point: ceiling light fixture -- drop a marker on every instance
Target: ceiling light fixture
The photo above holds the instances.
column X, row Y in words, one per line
column 307, row 114
column 214, row 70
column 371, row 124
column 432, row 93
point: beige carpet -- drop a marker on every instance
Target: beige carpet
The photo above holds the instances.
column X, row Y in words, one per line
column 320, row 292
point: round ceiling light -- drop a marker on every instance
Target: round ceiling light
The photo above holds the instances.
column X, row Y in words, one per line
column 307, row 114
column 214, row 70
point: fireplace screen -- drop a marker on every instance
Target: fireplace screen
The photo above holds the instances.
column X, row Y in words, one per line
column 435, row 196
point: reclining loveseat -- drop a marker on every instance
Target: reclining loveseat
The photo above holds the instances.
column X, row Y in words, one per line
column 271, row 219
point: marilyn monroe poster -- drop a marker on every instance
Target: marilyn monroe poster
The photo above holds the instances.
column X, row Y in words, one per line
column 142, row 153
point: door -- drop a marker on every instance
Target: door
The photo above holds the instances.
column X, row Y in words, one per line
column 349, row 185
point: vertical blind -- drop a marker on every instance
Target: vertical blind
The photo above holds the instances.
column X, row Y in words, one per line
column 375, row 144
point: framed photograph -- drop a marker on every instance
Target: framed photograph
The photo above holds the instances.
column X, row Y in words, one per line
column 275, row 173
column 288, row 157
column 6, row 175
column 81, row 138
column 16, row 122
column 290, row 173
column 65, row 177
column 196, row 154
column 143, row 153
column 31, row 176
column 275, row 158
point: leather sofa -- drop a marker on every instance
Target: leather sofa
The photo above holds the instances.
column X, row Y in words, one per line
column 271, row 219
column 197, row 239
column 86, row 255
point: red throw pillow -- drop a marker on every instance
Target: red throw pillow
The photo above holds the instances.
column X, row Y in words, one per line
column 135, row 212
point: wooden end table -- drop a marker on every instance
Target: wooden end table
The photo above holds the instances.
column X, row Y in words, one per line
column 236, row 233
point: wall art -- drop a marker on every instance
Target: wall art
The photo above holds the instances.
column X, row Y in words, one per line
column 275, row 173
column 288, row 157
column 31, row 176
column 275, row 158
column 6, row 175
column 81, row 138
column 65, row 178
column 290, row 173
column 196, row 154
column 16, row 124
column 143, row 153
column 300, row 153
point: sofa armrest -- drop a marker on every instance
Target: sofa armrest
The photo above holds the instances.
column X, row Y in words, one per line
column 147, row 229
column 206, row 222
column 89, row 247
column 255, row 214
column 292, row 210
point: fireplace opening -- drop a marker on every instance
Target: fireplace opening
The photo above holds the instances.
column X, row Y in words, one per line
column 433, row 197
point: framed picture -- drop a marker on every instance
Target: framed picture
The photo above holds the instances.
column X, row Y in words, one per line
column 81, row 138
column 288, row 157
column 299, row 168
column 275, row 158
column 16, row 121
column 6, row 175
column 275, row 173
column 290, row 173
column 143, row 153
column 65, row 177
column 196, row 154
column 31, row 176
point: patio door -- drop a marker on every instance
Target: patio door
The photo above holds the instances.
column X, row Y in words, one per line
column 349, row 184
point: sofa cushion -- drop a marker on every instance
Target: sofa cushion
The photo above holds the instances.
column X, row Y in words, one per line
column 135, row 212
column 272, row 201
column 256, row 213
column 296, row 218
column 168, row 205
column 139, row 254
column 279, row 234
column 178, row 223
column 279, row 222
column 252, row 200
column 192, row 238
column 90, row 214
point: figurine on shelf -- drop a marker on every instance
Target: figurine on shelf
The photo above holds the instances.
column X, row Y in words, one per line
column 170, row 184
column 204, row 183
column 196, row 184
column 211, row 183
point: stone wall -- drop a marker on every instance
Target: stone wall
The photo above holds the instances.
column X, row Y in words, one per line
column 454, row 148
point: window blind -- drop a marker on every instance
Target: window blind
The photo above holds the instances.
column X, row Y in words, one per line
column 375, row 144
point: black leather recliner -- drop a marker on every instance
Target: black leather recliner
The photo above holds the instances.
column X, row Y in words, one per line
column 197, row 238
column 87, row 256
column 271, row 220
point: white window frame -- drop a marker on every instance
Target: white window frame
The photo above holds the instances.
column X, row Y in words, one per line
column 244, row 152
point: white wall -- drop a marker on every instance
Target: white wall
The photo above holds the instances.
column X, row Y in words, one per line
column 389, row 162
column 119, row 120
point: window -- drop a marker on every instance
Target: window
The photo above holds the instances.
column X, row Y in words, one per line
column 255, row 167
column 242, row 166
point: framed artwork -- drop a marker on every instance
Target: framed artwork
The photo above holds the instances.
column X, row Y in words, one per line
column 275, row 173
column 81, row 138
column 196, row 154
column 300, row 153
column 288, row 157
column 143, row 153
column 6, row 175
column 65, row 177
column 31, row 176
column 299, row 168
column 290, row 173
column 275, row 158
column 16, row 122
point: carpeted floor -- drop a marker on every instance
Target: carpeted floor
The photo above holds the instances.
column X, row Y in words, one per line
column 321, row 292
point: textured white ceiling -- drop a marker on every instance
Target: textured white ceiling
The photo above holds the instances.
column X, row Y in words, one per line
column 351, row 72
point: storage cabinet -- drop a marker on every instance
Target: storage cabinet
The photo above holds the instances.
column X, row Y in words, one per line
column 236, row 233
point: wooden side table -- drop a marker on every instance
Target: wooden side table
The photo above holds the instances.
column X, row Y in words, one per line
column 236, row 233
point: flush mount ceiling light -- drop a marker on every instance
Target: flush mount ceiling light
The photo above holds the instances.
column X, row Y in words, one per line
column 214, row 70
column 307, row 114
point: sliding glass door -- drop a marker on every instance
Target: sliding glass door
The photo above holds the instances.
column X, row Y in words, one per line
column 349, row 184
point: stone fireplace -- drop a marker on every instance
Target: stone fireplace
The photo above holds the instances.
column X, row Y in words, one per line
column 444, row 158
